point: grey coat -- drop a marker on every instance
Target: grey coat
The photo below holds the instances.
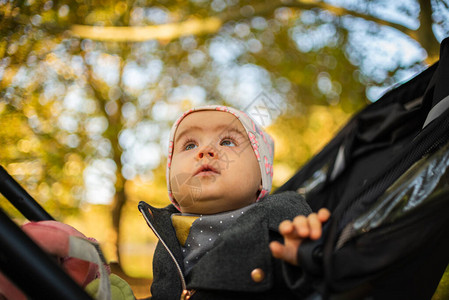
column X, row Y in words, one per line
column 240, row 266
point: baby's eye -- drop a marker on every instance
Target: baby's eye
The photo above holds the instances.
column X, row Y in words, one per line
column 227, row 142
column 190, row 146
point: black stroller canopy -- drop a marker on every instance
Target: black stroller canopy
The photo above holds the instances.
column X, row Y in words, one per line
column 385, row 179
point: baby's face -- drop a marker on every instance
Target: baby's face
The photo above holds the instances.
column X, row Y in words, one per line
column 214, row 168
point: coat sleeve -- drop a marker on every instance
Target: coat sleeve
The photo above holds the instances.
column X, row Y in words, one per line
column 288, row 205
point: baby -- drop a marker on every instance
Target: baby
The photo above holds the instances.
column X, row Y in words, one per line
column 214, row 239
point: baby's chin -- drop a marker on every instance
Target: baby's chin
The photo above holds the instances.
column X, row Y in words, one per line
column 207, row 209
column 201, row 210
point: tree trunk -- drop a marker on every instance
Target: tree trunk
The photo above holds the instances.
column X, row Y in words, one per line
column 113, row 131
column 425, row 35
column 117, row 207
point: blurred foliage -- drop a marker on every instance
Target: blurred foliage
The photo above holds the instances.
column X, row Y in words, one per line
column 300, row 136
column 86, row 120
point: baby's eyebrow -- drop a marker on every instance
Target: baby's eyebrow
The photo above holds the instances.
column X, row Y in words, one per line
column 228, row 129
column 186, row 131
column 223, row 129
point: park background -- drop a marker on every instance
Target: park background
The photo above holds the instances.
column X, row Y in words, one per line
column 89, row 90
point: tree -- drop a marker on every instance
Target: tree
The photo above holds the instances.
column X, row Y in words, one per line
column 95, row 84
column 211, row 21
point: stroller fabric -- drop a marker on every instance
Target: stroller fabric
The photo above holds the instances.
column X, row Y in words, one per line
column 384, row 179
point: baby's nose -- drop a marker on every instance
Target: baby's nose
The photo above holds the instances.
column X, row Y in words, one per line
column 207, row 152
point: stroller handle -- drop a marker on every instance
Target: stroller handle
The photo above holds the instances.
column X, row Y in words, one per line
column 22, row 261
column 20, row 198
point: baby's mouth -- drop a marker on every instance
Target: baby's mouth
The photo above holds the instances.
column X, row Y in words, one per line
column 206, row 170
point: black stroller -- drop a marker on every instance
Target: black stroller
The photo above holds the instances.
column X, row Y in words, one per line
column 384, row 177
